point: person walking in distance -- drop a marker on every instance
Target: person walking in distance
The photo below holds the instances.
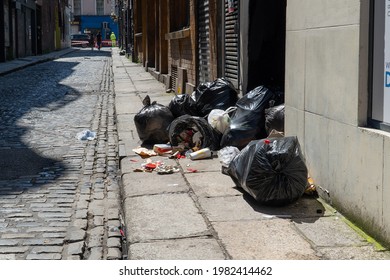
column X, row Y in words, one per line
column 113, row 39
column 91, row 41
column 99, row 40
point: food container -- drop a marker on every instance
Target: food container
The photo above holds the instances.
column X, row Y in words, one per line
column 203, row 153
column 162, row 148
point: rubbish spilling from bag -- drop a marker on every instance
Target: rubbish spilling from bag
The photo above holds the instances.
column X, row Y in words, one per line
column 247, row 133
column 144, row 152
column 272, row 171
column 193, row 133
column 165, row 150
column 152, row 122
column 213, row 116
column 162, row 149
column 159, row 167
column 214, row 119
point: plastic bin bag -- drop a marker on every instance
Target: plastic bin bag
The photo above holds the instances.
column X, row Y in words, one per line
column 219, row 94
column 192, row 131
column 248, row 122
column 227, row 154
column 220, row 119
column 152, row 122
column 272, row 171
column 274, row 118
column 182, row 104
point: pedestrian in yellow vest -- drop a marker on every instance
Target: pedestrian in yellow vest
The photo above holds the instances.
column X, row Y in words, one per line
column 113, row 39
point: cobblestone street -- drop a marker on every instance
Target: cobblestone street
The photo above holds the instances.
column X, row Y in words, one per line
column 59, row 195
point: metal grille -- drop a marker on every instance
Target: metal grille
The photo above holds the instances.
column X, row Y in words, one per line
column 231, row 42
column 203, row 41
column 174, row 77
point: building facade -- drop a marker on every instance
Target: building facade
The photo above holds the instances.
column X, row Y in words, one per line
column 33, row 27
column 164, row 38
column 337, row 102
column 93, row 16
column 177, row 40
column 195, row 41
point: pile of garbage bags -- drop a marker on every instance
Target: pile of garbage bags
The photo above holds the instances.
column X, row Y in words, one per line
column 271, row 170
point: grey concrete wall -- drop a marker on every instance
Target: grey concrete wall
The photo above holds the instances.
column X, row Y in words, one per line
column 326, row 107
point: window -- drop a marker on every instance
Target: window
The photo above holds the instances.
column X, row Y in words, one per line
column 379, row 109
column 100, row 7
column 77, row 7
column 179, row 14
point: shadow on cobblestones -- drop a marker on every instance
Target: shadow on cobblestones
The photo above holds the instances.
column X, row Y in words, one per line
column 28, row 99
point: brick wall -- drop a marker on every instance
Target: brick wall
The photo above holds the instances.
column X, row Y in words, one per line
column 182, row 52
column 181, row 43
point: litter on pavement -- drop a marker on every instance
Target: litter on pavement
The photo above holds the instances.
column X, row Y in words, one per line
column 246, row 133
column 86, row 135
column 144, row 152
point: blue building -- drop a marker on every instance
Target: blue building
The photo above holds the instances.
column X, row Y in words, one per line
column 94, row 24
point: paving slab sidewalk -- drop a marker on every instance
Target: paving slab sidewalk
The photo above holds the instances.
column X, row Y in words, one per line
column 203, row 215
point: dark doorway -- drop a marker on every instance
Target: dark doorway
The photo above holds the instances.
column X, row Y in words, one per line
column 266, row 44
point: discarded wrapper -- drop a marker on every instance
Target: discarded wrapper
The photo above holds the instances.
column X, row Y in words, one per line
column 144, row 153
column 162, row 148
column 166, row 169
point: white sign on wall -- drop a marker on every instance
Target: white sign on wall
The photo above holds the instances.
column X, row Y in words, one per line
column 386, row 97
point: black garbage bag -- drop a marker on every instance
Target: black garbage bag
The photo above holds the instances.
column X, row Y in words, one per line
column 152, row 122
column 272, row 171
column 248, row 122
column 219, row 94
column 182, row 104
column 278, row 98
column 274, row 118
column 192, row 131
